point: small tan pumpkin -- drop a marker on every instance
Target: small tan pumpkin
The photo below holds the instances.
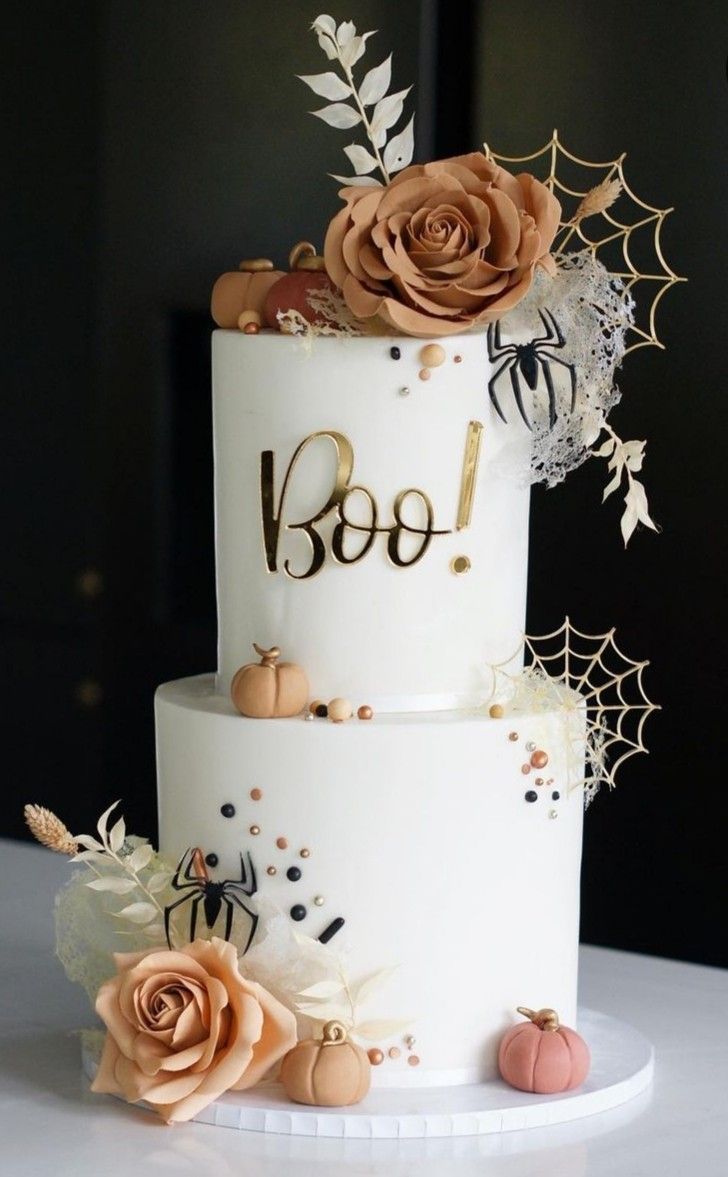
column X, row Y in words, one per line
column 542, row 1056
column 269, row 689
column 290, row 292
column 243, row 290
column 330, row 1072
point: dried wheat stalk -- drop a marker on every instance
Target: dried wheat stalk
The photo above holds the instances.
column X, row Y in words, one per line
column 597, row 200
column 50, row 830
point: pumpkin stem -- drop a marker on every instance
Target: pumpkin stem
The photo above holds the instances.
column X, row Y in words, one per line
column 545, row 1019
column 303, row 256
column 255, row 265
column 267, row 657
column 334, row 1033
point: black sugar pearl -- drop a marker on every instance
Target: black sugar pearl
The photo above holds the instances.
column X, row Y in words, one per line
column 395, row 353
column 227, row 810
column 211, row 859
column 293, row 873
column 322, row 711
column 555, row 796
column 298, row 912
column 531, row 795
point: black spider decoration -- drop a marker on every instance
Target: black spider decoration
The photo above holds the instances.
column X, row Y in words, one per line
column 200, row 889
column 527, row 359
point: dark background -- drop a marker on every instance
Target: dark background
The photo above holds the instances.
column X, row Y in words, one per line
column 152, row 144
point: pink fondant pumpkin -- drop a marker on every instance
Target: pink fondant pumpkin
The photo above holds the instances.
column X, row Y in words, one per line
column 243, row 290
column 542, row 1056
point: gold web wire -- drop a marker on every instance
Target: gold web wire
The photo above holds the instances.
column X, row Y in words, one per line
column 610, row 229
column 572, row 671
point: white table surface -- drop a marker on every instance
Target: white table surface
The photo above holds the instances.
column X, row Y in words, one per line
column 50, row 1124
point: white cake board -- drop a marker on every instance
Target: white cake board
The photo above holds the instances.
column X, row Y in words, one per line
column 622, row 1067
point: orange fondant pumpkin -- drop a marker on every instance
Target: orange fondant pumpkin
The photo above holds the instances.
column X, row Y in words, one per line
column 290, row 292
column 333, row 1072
column 243, row 290
column 269, row 689
column 542, row 1056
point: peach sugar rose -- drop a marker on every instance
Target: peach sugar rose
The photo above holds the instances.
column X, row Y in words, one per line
column 185, row 1026
column 443, row 247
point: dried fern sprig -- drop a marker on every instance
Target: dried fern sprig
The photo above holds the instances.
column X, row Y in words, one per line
column 597, row 200
column 49, row 830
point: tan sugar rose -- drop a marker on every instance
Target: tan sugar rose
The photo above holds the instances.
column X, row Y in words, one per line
column 185, row 1026
column 445, row 246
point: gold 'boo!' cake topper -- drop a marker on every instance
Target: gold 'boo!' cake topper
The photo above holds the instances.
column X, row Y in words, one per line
column 594, row 222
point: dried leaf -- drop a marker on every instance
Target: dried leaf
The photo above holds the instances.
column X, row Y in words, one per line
column 376, row 83
column 323, row 1011
column 117, row 833
column 399, row 151
column 376, row 1030
column 140, row 857
column 327, row 85
column 322, row 989
column 137, row 913
column 338, row 115
column 89, row 843
column 91, row 857
column 605, row 450
column 345, row 32
column 385, row 115
column 102, row 823
column 362, row 990
column 356, row 181
column 154, row 932
column 111, row 883
column 614, row 484
column 328, row 47
column 324, row 24
column 361, row 159
column 158, row 882
column 353, row 50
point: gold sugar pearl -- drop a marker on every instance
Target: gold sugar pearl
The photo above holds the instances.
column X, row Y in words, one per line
column 251, row 329
column 553, row 814
column 530, row 746
column 282, row 843
column 496, row 711
column 525, row 769
column 414, row 1060
column 539, row 781
column 394, row 1052
column 246, row 318
column 424, row 373
column 459, row 565
column 513, row 736
column 305, row 853
column 410, row 1041
column 457, row 359
column 256, row 794
column 271, row 870
column 365, row 712
column 539, row 758
column 375, row 1056
column 318, row 900
column 404, row 391
column 432, row 355
column 255, row 830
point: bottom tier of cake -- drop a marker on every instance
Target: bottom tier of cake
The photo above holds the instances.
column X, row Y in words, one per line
column 443, row 847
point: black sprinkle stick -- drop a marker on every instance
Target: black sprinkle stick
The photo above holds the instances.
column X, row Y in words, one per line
column 329, row 932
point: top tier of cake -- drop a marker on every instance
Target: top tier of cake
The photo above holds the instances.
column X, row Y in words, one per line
column 365, row 519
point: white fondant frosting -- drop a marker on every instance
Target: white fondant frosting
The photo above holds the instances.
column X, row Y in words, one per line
column 420, row 837
column 414, row 638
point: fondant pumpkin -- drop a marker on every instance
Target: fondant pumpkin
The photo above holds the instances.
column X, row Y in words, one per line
column 332, row 1072
column 542, row 1056
column 269, row 689
column 243, row 290
column 290, row 292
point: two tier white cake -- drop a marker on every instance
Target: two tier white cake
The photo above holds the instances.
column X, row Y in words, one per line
column 367, row 523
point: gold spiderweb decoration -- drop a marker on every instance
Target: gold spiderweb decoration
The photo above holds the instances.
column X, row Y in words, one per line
column 604, row 216
column 579, row 673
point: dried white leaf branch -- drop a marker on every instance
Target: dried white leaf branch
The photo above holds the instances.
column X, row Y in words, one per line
column 349, row 104
column 340, row 999
column 625, row 460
